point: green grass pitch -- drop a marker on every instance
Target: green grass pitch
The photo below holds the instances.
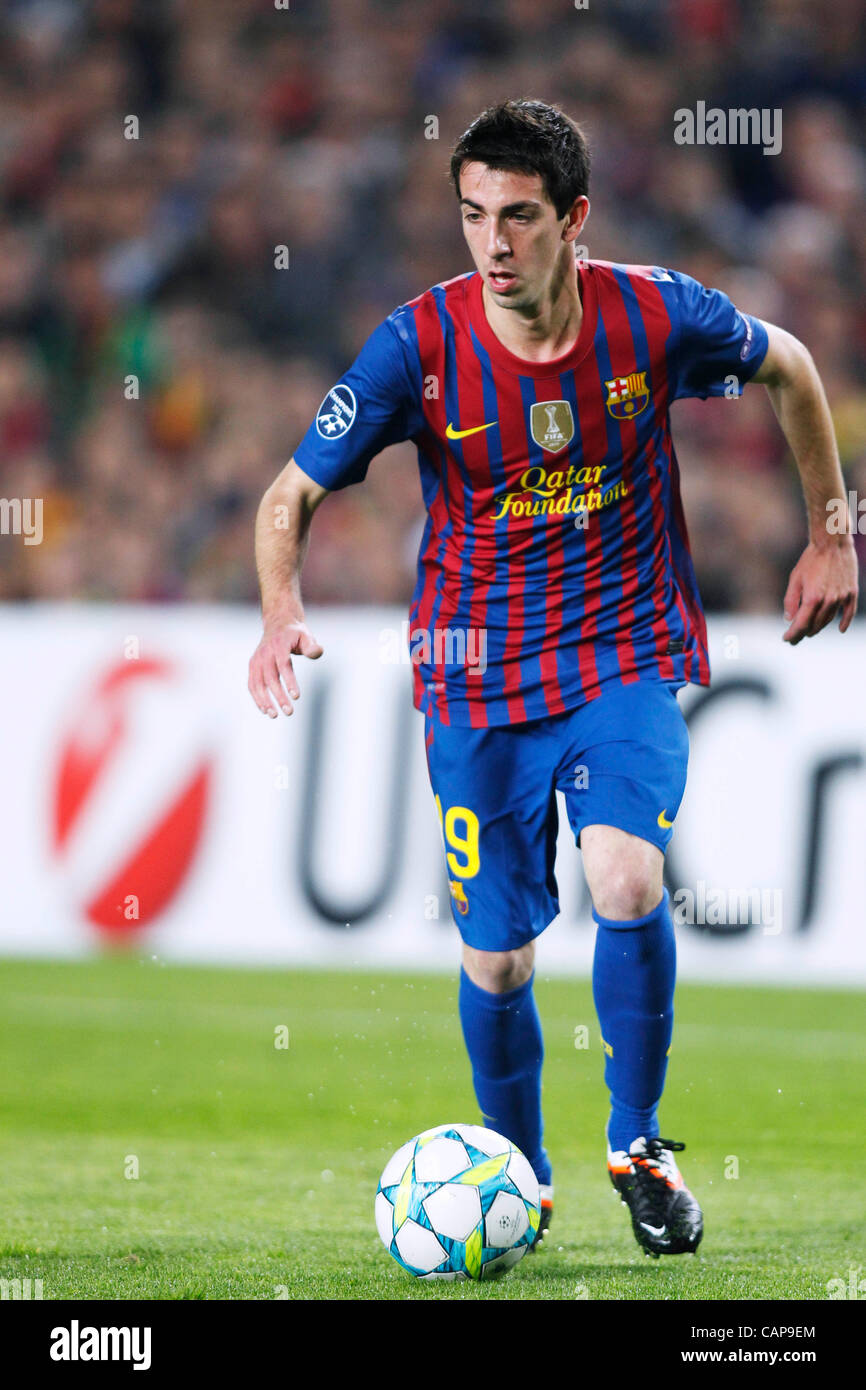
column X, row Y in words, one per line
column 257, row 1165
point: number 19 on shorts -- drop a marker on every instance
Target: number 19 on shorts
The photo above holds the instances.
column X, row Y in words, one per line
column 461, row 831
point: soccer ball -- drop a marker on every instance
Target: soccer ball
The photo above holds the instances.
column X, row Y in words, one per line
column 457, row 1202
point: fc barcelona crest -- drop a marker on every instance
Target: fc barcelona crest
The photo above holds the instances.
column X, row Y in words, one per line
column 627, row 395
column 551, row 424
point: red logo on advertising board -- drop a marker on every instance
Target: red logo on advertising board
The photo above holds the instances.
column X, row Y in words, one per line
column 146, row 808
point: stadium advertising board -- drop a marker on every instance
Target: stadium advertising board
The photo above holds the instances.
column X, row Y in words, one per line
column 148, row 802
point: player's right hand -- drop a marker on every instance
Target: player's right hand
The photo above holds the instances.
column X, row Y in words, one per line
column 272, row 682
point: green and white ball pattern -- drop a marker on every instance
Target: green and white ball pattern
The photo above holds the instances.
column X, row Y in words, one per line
column 457, row 1202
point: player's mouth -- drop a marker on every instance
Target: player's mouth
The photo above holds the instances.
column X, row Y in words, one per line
column 501, row 280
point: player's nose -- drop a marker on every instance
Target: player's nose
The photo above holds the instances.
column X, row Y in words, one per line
column 498, row 244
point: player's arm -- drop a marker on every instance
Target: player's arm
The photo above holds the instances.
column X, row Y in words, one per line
column 824, row 580
column 282, row 536
column 374, row 405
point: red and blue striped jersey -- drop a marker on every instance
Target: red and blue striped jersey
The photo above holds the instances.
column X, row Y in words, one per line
column 555, row 556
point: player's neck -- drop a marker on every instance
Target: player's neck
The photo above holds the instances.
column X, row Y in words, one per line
column 543, row 331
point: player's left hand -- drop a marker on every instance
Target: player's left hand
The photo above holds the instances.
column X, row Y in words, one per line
column 823, row 581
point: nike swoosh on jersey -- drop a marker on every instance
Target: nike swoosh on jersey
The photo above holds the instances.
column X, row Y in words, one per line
column 451, row 433
column 662, row 823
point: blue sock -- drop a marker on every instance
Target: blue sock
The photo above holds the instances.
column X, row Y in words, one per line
column 633, row 977
column 505, row 1046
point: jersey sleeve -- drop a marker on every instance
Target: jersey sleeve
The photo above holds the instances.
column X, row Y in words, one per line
column 368, row 409
column 718, row 348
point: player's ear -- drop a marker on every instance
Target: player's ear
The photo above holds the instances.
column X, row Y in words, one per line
column 576, row 218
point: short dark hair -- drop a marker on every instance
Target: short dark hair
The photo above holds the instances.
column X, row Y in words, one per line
column 529, row 137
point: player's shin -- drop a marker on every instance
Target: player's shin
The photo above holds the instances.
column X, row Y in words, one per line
column 634, row 970
column 504, row 1041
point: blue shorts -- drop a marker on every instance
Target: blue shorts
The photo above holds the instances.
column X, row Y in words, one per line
column 620, row 760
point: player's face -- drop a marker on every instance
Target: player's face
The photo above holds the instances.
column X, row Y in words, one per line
column 519, row 245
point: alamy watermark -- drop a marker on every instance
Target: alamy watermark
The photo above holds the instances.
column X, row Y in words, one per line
column 847, row 517
column 441, row 646
column 18, row 1290
column 711, row 906
column 22, row 516
column 77, row 1343
column 852, row 1287
column 737, row 126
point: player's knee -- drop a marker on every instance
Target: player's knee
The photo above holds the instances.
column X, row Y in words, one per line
column 624, row 872
column 630, row 890
column 499, row 971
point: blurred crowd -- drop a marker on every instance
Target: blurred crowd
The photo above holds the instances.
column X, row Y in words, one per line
column 157, row 367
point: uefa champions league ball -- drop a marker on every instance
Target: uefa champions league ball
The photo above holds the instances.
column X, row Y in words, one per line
column 457, row 1202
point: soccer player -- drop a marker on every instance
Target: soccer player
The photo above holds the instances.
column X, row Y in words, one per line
column 537, row 391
